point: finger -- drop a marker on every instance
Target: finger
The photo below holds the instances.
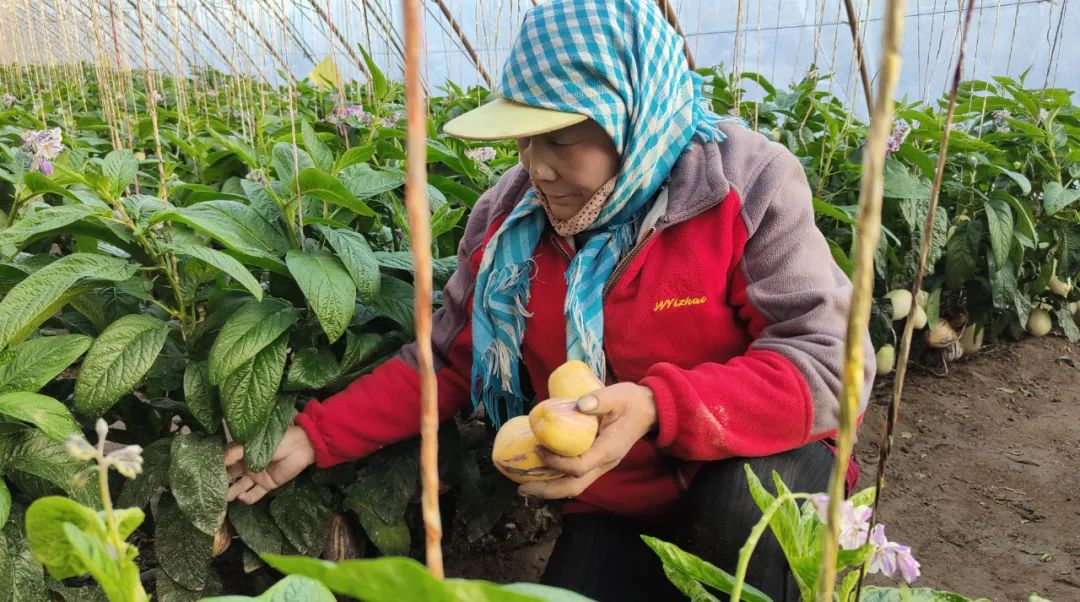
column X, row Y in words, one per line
column 601, row 401
column 234, row 452
column 242, row 485
column 609, row 447
column 253, row 495
column 234, row 471
column 566, row 487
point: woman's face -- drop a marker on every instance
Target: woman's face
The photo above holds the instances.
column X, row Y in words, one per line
column 570, row 165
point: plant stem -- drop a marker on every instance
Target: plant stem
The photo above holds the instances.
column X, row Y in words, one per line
column 106, row 504
column 755, row 534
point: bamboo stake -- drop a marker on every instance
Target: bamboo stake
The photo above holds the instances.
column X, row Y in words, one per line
column 673, row 19
column 869, row 232
column 420, row 231
column 465, row 42
column 856, row 41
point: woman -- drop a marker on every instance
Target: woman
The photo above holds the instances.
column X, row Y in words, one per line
column 672, row 251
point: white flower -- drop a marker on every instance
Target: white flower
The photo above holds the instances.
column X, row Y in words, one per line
column 79, row 448
column 482, row 154
column 127, row 460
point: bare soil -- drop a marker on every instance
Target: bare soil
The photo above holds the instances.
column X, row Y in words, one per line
column 983, row 482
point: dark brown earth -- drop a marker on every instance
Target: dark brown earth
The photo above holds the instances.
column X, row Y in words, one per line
column 984, row 481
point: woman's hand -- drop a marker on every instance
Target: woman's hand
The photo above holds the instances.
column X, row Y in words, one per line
column 627, row 413
column 292, row 456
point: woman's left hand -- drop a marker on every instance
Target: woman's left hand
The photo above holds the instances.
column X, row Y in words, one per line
column 627, row 412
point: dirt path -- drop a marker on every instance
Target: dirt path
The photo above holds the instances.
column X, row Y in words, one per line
column 984, row 481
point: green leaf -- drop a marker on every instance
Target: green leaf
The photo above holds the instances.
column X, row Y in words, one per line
column 39, row 295
column 201, row 397
column 682, row 563
column 137, row 492
column 365, row 182
column 902, row 184
column 444, row 220
column 356, row 154
column 223, row 262
column 303, row 515
column 545, row 592
column 872, row 593
column 86, row 593
column 45, row 520
column 358, row 349
column 183, row 551
column 45, row 220
column 32, row 364
column 395, row 301
column 312, row 369
column 395, row 578
column 327, row 287
column 41, row 184
column 999, row 220
column 962, row 254
column 1056, row 197
column 325, row 187
column 120, row 167
column 289, row 589
column 402, row 260
column 377, row 78
column 50, row 416
column 169, row 590
column 320, row 153
column 118, row 579
column 117, row 361
column 248, row 393
column 260, row 449
column 1020, row 179
column 286, row 164
column 198, row 480
column 247, row 332
column 373, row 580
column 5, row 502
column 30, row 451
column 356, row 255
column 380, row 495
column 235, row 225
column 256, row 527
column 1065, row 320
column 22, row 577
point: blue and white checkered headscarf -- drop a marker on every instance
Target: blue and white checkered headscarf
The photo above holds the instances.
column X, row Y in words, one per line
column 620, row 63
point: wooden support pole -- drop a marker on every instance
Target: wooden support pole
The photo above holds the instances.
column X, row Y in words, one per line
column 856, row 41
column 416, row 202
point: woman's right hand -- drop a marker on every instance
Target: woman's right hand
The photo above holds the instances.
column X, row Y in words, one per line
column 292, row 456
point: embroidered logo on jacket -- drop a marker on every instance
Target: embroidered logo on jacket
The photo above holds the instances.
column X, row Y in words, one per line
column 675, row 302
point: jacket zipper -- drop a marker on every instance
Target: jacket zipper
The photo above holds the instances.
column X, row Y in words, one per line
column 625, row 263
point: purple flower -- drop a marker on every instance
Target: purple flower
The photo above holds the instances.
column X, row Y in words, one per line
column 392, row 120
column 212, row 93
column 352, row 115
column 8, row 99
column 890, row 557
column 155, row 97
column 482, row 154
column 257, row 175
column 854, row 520
column 900, row 132
column 45, row 145
column 1000, row 120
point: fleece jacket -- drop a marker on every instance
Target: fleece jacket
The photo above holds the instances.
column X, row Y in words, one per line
column 730, row 308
